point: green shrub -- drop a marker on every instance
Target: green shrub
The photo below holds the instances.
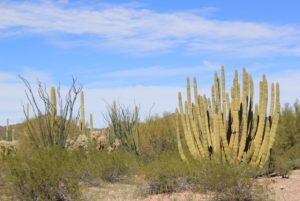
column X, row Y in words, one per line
column 214, row 176
column 230, row 182
column 45, row 174
column 157, row 135
column 234, row 183
column 285, row 154
column 168, row 173
column 111, row 167
column 53, row 173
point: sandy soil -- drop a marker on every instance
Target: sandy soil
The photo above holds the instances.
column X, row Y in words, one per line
column 286, row 189
column 281, row 190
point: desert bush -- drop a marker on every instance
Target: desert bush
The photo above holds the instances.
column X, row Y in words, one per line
column 45, row 174
column 157, row 135
column 123, row 125
column 285, row 154
column 234, row 183
column 168, row 173
column 230, row 182
column 217, row 177
column 55, row 173
column 111, row 167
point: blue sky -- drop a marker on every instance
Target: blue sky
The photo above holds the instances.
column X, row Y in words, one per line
column 140, row 52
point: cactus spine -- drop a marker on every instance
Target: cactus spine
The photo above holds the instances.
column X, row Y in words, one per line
column 231, row 131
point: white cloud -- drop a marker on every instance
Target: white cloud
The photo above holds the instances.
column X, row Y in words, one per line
column 162, row 71
column 154, row 99
column 289, row 85
column 13, row 93
column 137, row 30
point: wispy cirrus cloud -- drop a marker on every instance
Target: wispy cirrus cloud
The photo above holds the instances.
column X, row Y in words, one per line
column 134, row 29
column 160, row 71
column 148, row 75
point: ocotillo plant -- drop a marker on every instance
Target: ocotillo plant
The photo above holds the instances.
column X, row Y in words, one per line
column 52, row 119
column 229, row 130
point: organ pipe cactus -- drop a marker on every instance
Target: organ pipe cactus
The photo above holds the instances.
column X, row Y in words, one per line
column 229, row 130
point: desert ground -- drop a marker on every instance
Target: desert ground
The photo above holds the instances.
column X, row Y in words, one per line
column 281, row 189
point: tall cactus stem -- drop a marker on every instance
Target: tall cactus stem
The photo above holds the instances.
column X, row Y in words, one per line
column 82, row 112
column 53, row 105
column 91, row 122
column 179, row 144
column 7, row 130
column 187, row 134
column 244, row 115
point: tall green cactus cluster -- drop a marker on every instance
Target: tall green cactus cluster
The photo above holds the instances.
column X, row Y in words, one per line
column 229, row 129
